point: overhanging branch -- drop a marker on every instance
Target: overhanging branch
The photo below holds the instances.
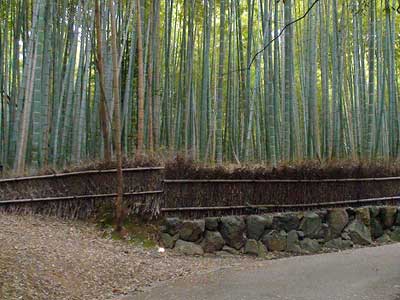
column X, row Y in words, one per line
column 281, row 32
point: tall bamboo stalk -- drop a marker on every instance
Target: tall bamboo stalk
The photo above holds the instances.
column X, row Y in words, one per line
column 117, row 120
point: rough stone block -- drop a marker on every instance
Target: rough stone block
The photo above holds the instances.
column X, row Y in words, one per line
column 168, row 240
column 213, row 241
column 188, row 248
column 192, row 231
column 286, row 221
column 337, row 221
column 275, row 240
column 388, row 215
column 173, row 225
column 359, row 233
column 311, row 225
column 310, row 246
column 255, row 226
column 232, row 230
column 212, row 223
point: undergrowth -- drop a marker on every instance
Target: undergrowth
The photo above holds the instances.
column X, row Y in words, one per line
column 136, row 162
column 185, row 169
column 181, row 168
column 135, row 230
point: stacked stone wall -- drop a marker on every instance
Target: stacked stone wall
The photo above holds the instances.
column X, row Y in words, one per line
column 293, row 232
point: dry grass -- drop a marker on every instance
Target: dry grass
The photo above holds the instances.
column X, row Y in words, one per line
column 177, row 167
column 184, row 169
column 138, row 161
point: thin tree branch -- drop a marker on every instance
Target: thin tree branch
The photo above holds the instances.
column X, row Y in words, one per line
column 275, row 38
column 282, row 31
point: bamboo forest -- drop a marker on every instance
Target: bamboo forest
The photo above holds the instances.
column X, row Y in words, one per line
column 217, row 80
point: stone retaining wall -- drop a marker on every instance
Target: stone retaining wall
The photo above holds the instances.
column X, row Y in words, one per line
column 299, row 233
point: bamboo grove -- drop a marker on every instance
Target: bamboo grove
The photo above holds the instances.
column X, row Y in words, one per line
column 190, row 82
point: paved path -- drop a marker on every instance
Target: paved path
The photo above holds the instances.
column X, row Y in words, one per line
column 362, row 274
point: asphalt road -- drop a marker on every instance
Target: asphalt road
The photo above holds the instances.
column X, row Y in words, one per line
column 362, row 274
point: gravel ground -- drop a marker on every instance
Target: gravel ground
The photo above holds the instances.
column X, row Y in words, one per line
column 48, row 258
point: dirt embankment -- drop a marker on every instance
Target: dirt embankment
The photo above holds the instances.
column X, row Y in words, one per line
column 46, row 258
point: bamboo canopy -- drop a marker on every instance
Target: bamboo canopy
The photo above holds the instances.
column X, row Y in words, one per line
column 220, row 81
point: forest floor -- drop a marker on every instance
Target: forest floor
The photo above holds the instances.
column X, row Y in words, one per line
column 49, row 258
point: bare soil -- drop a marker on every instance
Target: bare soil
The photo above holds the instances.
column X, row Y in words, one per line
column 49, row 258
